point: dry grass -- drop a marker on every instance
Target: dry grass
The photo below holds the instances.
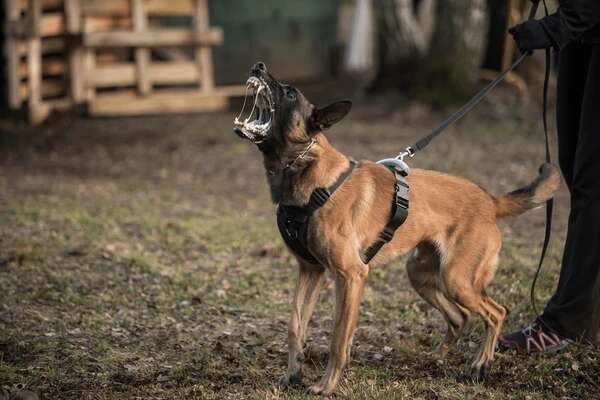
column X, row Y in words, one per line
column 139, row 259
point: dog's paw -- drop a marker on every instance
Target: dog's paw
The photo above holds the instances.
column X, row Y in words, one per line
column 291, row 380
column 316, row 389
column 320, row 390
column 479, row 372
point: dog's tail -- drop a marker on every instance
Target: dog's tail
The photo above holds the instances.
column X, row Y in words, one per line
column 530, row 196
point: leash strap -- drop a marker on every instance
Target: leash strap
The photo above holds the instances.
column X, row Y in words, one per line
column 549, row 203
column 465, row 109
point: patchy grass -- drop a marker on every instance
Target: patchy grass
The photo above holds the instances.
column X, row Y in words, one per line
column 139, row 258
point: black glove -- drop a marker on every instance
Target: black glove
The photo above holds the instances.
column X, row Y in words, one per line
column 531, row 35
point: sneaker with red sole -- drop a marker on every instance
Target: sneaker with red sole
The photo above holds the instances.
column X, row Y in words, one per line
column 533, row 339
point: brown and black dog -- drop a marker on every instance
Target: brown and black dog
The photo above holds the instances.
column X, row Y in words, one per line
column 451, row 233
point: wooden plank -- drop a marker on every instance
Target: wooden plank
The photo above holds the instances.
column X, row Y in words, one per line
column 168, row 8
column 153, row 38
column 13, row 57
column 48, row 6
column 73, row 16
column 59, row 104
column 89, row 63
column 49, row 46
column 122, row 8
column 164, row 73
column 74, row 26
column 51, row 24
column 109, row 58
column 203, row 53
column 34, row 15
column 142, row 54
column 157, row 103
column 115, row 75
column 174, row 73
column 231, row 90
column 55, row 67
column 37, row 110
column 48, row 88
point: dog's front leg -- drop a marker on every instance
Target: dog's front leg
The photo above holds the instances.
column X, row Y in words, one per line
column 310, row 281
column 349, row 285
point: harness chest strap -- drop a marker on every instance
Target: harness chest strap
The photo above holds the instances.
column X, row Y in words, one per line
column 398, row 215
column 293, row 221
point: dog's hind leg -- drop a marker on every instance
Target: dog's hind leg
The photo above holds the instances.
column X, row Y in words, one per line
column 423, row 267
column 349, row 286
column 466, row 277
column 493, row 315
column 496, row 313
column 456, row 318
column 308, row 287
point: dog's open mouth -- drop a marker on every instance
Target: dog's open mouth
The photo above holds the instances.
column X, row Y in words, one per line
column 255, row 127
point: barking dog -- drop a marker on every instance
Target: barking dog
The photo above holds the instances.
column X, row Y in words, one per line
column 450, row 235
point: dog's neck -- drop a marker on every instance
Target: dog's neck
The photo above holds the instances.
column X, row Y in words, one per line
column 320, row 168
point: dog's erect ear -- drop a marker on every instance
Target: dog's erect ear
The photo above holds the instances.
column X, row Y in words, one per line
column 323, row 118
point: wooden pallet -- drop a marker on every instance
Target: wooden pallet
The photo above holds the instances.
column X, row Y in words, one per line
column 118, row 57
column 35, row 48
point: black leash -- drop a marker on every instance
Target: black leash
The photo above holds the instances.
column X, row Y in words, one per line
column 471, row 104
column 549, row 203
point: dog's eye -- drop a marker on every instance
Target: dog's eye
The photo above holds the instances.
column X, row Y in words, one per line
column 290, row 94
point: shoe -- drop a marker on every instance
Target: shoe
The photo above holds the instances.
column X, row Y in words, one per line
column 533, row 339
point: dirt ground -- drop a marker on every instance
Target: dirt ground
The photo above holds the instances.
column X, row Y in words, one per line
column 139, row 259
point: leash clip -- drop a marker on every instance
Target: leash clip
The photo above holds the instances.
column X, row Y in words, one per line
column 409, row 151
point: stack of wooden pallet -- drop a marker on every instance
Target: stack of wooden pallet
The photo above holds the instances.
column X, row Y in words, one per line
column 36, row 48
column 119, row 57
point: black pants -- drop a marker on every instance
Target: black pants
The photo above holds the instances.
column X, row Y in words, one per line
column 574, row 310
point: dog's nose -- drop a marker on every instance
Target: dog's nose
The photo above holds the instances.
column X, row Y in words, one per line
column 258, row 68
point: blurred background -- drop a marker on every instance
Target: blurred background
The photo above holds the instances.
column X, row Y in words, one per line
column 139, row 255
column 122, row 57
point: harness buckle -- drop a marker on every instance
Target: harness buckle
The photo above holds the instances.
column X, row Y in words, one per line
column 402, row 202
column 319, row 197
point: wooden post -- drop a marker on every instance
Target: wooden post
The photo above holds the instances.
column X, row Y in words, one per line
column 512, row 16
column 12, row 54
column 73, row 19
column 89, row 63
column 37, row 110
column 142, row 54
column 203, row 53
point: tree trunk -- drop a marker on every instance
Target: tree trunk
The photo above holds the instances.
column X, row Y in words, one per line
column 405, row 30
column 408, row 26
column 458, row 46
column 434, row 48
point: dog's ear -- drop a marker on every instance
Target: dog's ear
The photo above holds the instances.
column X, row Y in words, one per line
column 324, row 117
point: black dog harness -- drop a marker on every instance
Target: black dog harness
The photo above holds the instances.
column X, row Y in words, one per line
column 293, row 221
